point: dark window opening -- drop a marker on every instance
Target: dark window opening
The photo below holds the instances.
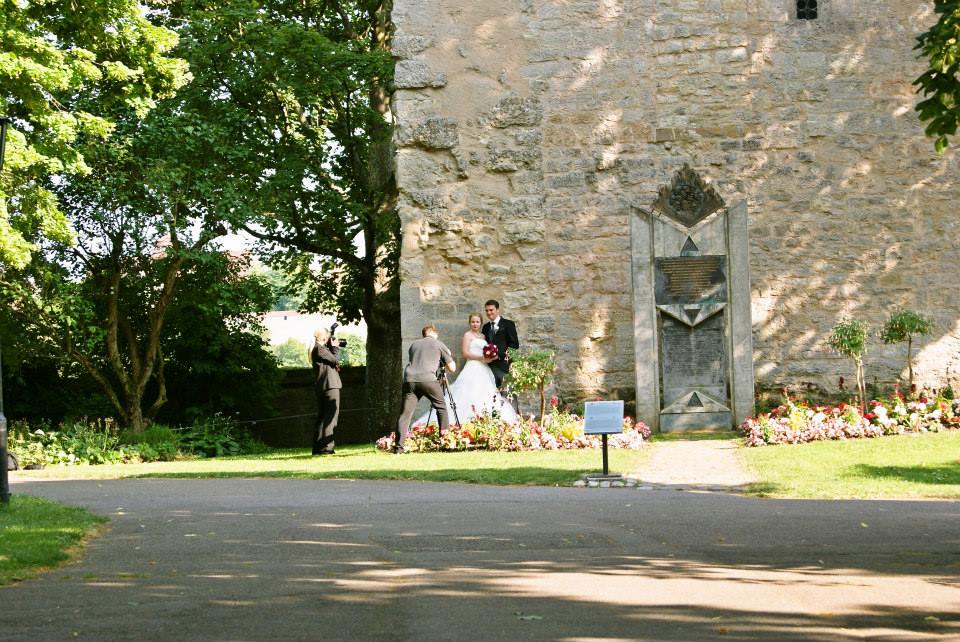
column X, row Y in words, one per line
column 807, row 9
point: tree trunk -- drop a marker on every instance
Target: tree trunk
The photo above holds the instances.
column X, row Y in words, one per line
column 910, row 363
column 543, row 402
column 134, row 420
column 861, row 386
column 384, row 363
column 382, row 311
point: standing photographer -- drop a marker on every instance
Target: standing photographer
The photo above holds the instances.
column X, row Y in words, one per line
column 428, row 357
column 325, row 357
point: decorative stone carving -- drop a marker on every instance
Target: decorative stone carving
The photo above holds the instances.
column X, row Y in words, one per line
column 687, row 199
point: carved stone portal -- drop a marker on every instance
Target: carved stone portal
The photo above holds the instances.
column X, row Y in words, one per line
column 692, row 329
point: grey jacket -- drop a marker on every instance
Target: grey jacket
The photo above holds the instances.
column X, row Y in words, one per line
column 325, row 360
column 425, row 357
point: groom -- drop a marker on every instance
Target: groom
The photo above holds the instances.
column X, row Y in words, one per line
column 503, row 334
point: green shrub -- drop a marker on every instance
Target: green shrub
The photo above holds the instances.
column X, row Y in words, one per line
column 849, row 338
column 79, row 442
column 156, row 443
column 532, row 371
column 218, row 436
column 901, row 326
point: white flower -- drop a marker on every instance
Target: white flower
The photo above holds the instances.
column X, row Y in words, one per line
column 900, row 410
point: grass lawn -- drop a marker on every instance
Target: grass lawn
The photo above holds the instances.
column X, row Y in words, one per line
column 36, row 534
column 905, row 466
column 543, row 467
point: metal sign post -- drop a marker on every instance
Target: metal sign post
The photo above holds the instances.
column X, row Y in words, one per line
column 4, row 460
column 603, row 418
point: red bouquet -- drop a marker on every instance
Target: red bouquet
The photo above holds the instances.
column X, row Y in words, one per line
column 490, row 351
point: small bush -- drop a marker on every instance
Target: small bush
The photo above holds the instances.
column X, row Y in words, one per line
column 218, row 436
column 156, row 443
column 79, row 442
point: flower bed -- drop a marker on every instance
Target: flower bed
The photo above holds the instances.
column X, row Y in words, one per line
column 559, row 430
column 796, row 422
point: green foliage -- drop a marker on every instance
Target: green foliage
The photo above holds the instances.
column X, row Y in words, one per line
column 286, row 297
column 217, row 358
column 561, row 423
column 940, row 83
column 159, row 441
column 282, row 96
column 355, row 353
column 65, row 71
column 291, row 354
column 903, row 324
column 74, row 443
column 218, row 436
column 849, row 337
column 532, row 370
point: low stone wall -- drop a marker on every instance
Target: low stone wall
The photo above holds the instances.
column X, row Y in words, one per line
column 295, row 410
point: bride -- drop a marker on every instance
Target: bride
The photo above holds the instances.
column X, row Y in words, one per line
column 475, row 391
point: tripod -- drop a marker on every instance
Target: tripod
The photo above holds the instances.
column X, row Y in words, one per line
column 442, row 379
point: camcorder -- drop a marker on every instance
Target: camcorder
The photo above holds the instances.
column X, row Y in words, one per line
column 333, row 340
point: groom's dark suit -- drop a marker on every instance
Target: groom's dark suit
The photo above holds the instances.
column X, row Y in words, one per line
column 504, row 337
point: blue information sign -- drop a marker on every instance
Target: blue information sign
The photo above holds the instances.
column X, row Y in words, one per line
column 603, row 417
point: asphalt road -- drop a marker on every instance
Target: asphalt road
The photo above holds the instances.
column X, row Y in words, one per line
column 229, row 559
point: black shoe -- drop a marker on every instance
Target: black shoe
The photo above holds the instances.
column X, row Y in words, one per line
column 398, row 450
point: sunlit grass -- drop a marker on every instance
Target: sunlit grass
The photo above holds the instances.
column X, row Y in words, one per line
column 906, row 466
column 37, row 534
column 545, row 467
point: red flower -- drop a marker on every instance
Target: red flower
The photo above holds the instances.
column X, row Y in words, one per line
column 554, row 401
column 869, row 416
column 491, row 351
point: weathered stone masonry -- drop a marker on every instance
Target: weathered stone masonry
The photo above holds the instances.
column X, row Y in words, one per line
column 531, row 131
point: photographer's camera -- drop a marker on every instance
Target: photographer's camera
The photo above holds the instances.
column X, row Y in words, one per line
column 333, row 340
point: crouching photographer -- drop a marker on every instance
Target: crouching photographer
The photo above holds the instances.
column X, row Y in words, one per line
column 325, row 357
column 420, row 379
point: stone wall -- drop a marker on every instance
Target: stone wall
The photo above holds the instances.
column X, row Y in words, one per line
column 295, row 411
column 530, row 131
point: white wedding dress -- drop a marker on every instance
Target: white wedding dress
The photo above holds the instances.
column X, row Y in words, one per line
column 474, row 392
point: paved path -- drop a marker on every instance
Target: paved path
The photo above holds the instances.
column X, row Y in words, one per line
column 703, row 464
column 233, row 559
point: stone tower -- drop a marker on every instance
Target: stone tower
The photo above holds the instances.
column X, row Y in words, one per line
column 533, row 135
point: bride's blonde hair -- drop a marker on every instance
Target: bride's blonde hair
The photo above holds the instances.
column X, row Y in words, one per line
column 470, row 318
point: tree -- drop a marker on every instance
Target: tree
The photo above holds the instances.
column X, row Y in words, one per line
column 145, row 212
column 64, row 67
column 849, row 338
column 940, row 83
column 215, row 350
column 355, row 352
column 532, row 371
column 297, row 96
column 901, row 326
column 292, row 354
